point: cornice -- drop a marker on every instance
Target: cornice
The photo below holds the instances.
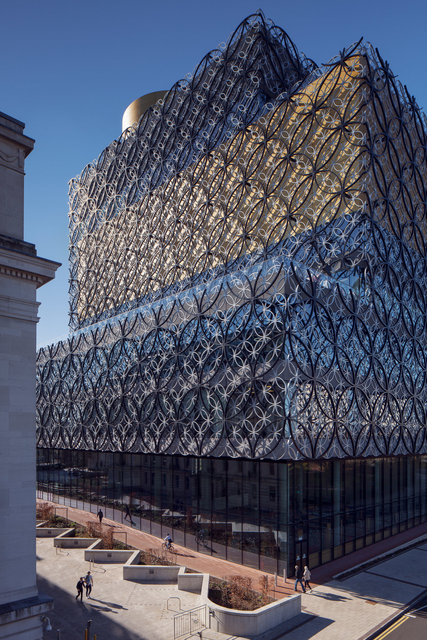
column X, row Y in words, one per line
column 12, row 131
column 27, row 267
column 23, row 275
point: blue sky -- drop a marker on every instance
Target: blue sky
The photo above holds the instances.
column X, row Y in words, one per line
column 69, row 69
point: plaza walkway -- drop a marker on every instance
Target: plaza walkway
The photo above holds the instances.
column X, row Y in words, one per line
column 349, row 609
column 191, row 559
column 342, row 609
column 220, row 568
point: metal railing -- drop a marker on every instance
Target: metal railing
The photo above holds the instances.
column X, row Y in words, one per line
column 117, row 532
column 61, row 510
column 189, row 622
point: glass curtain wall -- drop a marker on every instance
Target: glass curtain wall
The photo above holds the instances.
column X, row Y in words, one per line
column 267, row 515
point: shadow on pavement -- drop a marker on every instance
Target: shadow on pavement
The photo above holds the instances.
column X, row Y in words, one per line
column 330, row 596
column 385, row 590
column 204, row 548
column 298, row 627
column 71, row 617
column 109, row 604
column 305, row 632
column 96, row 607
column 184, row 555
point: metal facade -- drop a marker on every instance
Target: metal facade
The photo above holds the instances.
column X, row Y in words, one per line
column 248, row 267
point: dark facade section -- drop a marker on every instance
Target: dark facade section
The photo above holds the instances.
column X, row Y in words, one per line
column 268, row 515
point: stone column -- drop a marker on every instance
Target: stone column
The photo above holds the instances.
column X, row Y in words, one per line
column 21, row 273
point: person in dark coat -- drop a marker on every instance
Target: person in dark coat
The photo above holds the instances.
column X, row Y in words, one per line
column 127, row 513
column 298, row 578
column 100, row 516
column 79, row 587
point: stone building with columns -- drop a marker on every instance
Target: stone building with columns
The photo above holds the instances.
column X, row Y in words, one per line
column 21, row 273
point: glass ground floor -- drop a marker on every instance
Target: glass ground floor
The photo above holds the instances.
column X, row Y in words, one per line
column 268, row 515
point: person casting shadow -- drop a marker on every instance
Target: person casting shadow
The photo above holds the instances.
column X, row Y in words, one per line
column 298, row 578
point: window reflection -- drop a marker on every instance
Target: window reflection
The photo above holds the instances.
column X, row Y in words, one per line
column 267, row 515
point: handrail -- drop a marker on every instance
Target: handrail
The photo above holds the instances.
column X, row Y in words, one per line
column 190, row 622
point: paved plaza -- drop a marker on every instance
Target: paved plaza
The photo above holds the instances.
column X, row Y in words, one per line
column 343, row 609
column 118, row 608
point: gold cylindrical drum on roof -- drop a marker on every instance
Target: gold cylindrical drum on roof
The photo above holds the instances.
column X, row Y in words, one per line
column 139, row 106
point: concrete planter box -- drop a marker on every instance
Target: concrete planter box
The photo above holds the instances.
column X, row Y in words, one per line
column 50, row 532
column 253, row 623
column 151, row 573
column 65, row 539
column 74, row 543
column 193, row 582
column 222, row 619
column 106, row 556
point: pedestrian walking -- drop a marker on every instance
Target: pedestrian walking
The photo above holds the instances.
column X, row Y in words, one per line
column 88, row 583
column 127, row 513
column 298, row 578
column 306, row 576
column 100, row 516
column 79, row 587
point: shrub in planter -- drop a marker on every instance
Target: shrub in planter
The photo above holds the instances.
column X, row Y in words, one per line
column 237, row 593
column 152, row 556
column 45, row 511
column 95, row 530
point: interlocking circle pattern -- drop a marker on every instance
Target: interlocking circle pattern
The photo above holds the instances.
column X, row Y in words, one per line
column 248, row 267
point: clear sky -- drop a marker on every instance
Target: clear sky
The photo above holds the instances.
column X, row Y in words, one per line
column 69, row 69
